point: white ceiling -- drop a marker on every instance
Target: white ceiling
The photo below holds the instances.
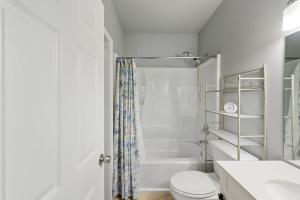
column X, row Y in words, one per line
column 165, row 16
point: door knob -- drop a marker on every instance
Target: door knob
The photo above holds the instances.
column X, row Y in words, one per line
column 104, row 159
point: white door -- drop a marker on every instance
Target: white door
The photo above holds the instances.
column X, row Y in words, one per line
column 51, row 93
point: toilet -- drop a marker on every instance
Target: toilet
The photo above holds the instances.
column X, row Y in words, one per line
column 193, row 185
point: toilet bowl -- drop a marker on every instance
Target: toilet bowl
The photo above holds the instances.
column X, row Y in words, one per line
column 196, row 185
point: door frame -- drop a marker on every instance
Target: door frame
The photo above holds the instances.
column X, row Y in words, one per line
column 108, row 111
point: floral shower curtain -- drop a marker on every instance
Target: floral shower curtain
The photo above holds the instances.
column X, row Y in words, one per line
column 126, row 129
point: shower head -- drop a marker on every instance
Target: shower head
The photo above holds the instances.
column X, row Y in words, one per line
column 190, row 54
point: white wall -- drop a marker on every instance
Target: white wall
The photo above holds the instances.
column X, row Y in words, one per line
column 113, row 26
column 248, row 33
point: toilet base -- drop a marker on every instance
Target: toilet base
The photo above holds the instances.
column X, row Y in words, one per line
column 177, row 196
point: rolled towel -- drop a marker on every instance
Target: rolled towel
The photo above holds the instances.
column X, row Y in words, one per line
column 230, row 107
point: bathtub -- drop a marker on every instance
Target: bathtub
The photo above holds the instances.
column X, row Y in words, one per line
column 164, row 159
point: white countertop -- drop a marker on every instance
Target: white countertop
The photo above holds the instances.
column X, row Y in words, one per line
column 252, row 175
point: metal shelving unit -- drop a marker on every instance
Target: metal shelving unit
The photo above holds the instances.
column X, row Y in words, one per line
column 236, row 115
column 237, row 139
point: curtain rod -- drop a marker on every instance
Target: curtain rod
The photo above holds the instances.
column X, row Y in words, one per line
column 168, row 57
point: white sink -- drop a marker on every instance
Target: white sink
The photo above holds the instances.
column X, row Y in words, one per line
column 280, row 189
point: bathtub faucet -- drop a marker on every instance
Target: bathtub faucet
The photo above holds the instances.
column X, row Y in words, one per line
column 202, row 142
column 205, row 129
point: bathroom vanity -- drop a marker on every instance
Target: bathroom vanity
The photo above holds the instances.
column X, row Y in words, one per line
column 259, row 180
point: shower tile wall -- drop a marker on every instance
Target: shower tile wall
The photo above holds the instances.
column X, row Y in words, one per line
column 169, row 103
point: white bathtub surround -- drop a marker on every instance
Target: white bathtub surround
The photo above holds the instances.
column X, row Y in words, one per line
column 170, row 103
column 172, row 106
column 172, row 118
column 259, row 180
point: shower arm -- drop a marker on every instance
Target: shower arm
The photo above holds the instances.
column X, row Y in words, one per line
column 291, row 2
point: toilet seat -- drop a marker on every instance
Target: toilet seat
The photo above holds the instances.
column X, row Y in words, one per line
column 193, row 184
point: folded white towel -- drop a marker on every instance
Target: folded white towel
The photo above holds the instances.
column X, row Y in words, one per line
column 230, row 107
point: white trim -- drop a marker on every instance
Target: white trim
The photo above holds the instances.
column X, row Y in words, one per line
column 108, row 136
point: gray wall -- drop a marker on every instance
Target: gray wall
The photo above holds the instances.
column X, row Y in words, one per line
column 248, row 33
column 113, row 26
column 159, row 44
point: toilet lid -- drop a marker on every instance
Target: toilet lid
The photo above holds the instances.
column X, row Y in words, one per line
column 193, row 183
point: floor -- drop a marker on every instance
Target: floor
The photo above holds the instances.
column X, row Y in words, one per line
column 153, row 196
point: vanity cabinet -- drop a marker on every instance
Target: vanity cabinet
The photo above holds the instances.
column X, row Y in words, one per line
column 231, row 189
column 258, row 180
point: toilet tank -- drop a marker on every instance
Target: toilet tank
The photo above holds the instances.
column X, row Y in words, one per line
column 222, row 151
